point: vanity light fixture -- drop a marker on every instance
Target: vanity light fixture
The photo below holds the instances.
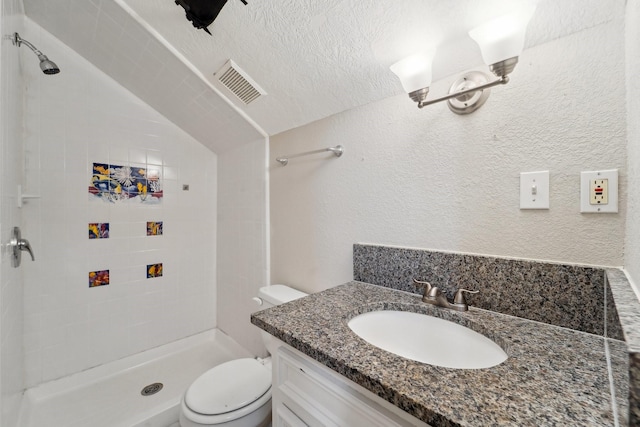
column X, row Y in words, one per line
column 501, row 41
column 415, row 74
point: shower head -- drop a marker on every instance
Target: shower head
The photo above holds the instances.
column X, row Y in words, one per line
column 47, row 66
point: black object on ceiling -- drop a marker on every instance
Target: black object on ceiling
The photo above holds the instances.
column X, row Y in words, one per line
column 202, row 13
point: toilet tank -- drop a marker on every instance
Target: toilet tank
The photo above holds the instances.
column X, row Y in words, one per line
column 270, row 296
column 278, row 294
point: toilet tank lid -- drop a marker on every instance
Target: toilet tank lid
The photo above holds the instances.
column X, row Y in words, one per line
column 279, row 294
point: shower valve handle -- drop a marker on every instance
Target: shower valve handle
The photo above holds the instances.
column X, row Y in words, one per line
column 23, row 245
column 18, row 244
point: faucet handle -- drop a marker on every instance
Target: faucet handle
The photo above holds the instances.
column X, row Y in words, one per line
column 427, row 288
column 460, row 299
column 420, row 284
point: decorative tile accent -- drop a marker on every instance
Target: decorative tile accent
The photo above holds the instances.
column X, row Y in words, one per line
column 153, row 173
column 570, row 296
column 99, row 230
column 154, row 270
column 98, row 278
column 117, row 183
column 154, row 228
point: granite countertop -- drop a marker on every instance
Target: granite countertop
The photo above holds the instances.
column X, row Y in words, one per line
column 553, row 376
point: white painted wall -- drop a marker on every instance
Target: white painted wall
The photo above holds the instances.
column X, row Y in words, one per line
column 632, row 241
column 11, row 297
column 432, row 179
column 73, row 119
column 242, row 240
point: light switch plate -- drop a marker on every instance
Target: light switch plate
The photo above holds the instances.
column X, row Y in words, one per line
column 590, row 200
column 534, row 190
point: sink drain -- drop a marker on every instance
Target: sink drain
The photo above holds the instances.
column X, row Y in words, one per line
column 151, row 389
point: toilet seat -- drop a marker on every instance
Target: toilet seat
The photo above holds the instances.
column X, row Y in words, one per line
column 228, row 391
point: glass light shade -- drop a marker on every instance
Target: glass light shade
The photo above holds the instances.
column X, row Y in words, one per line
column 414, row 71
column 503, row 37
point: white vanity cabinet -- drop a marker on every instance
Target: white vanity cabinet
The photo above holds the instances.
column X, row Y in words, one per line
column 306, row 393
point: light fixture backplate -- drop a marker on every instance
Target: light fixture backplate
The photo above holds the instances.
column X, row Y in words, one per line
column 467, row 104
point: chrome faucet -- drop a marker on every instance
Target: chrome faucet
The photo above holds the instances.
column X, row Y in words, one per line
column 433, row 295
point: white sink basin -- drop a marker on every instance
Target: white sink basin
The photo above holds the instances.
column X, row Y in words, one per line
column 427, row 339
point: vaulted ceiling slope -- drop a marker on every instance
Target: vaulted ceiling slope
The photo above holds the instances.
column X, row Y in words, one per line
column 314, row 58
column 115, row 42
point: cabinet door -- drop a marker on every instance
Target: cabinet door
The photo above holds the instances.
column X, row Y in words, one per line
column 291, row 408
column 284, row 417
column 319, row 397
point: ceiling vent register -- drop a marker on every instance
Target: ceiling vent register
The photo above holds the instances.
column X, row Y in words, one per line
column 239, row 83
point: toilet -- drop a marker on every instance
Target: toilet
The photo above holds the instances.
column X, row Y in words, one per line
column 236, row 393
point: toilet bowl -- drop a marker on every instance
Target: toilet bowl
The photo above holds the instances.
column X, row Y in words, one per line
column 236, row 393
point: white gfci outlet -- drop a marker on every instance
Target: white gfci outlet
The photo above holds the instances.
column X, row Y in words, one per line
column 599, row 191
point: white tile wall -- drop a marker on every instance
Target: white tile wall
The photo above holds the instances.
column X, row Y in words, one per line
column 73, row 119
column 11, row 307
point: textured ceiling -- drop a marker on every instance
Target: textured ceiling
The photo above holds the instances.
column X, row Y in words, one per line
column 314, row 58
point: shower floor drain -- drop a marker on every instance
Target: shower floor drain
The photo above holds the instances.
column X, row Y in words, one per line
column 151, row 389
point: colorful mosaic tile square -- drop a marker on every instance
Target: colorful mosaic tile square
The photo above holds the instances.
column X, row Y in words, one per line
column 154, row 228
column 98, row 278
column 154, row 270
column 117, row 183
column 99, row 230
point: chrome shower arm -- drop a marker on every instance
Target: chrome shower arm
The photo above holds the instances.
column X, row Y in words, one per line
column 19, row 41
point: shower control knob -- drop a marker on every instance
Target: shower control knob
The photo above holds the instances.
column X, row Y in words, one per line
column 18, row 244
column 23, row 245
